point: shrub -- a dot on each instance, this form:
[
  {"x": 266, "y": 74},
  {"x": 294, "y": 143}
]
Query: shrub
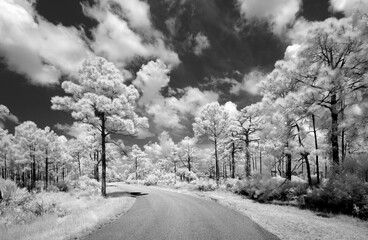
[
  {"x": 206, "y": 185},
  {"x": 8, "y": 189},
  {"x": 62, "y": 186},
  {"x": 267, "y": 190},
  {"x": 151, "y": 180},
  {"x": 345, "y": 194}
]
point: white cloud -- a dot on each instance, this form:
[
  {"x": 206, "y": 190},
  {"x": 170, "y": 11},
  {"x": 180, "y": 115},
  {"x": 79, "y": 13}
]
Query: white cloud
[
  {"x": 40, "y": 50},
  {"x": 249, "y": 84},
  {"x": 192, "y": 100},
  {"x": 279, "y": 13},
  {"x": 144, "y": 133},
  {"x": 167, "y": 112},
  {"x": 137, "y": 12},
  {"x": 349, "y": 7},
  {"x": 201, "y": 43},
  {"x": 76, "y": 130},
  {"x": 6, "y": 115},
  {"x": 151, "y": 78},
  {"x": 231, "y": 109},
  {"x": 116, "y": 38}
]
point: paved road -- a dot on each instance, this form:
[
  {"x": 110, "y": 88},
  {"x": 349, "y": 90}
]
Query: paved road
[{"x": 158, "y": 215}]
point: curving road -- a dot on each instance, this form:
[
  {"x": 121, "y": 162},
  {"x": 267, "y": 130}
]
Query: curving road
[{"x": 158, "y": 215}]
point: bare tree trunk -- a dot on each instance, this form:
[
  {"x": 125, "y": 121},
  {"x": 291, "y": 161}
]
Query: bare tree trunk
[
  {"x": 316, "y": 146},
  {"x": 233, "y": 160},
  {"x": 103, "y": 155},
  {"x": 334, "y": 134},
  {"x": 305, "y": 156},
  {"x": 33, "y": 175},
  {"x": 46, "y": 170},
  {"x": 136, "y": 168},
  {"x": 79, "y": 165},
  {"x": 247, "y": 157},
  {"x": 217, "y": 170},
  {"x": 5, "y": 175},
  {"x": 188, "y": 160}
]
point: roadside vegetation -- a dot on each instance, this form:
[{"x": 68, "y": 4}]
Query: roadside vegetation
[{"x": 68, "y": 209}]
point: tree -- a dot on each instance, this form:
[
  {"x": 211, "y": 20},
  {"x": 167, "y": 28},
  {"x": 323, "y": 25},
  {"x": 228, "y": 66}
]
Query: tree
[
  {"x": 6, "y": 151},
  {"x": 100, "y": 98},
  {"x": 186, "y": 149},
  {"x": 27, "y": 138},
  {"x": 213, "y": 123},
  {"x": 244, "y": 127},
  {"x": 333, "y": 62}
]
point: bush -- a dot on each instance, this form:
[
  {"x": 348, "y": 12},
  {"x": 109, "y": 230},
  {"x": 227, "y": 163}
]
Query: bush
[
  {"x": 62, "y": 186},
  {"x": 8, "y": 189},
  {"x": 18, "y": 205},
  {"x": 151, "y": 180},
  {"x": 345, "y": 194},
  {"x": 273, "y": 189},
  {"x": 206, "y": 185}
]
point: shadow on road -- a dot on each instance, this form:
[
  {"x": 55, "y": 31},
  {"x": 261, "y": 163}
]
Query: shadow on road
[{"x": 125, "y": 194}]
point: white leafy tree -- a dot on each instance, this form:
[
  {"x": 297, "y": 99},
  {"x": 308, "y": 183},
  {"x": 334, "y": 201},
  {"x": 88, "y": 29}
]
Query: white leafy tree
[
  {"x": 186, "y": 151},
  {"x": 213, "y": 123},
  {"x": 100, "y": 98}
]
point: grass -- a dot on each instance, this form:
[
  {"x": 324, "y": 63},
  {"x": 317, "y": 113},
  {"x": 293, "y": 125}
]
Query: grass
[
  {"x": 79, "y": 214},
  {"x": 288, "y": 222}
]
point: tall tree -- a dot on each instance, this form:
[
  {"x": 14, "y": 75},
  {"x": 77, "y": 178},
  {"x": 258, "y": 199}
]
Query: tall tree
[
  {"x": 333, "y": 62},
  {"x": 186, "y": 151},
  {"x": 213, "y": 123},
  {"x": 100, "y": 98}
]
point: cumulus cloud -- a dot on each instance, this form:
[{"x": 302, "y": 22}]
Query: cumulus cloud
[
  {"x": 116, "y": 37},
  {"x": 279, "y": 13},
  {"x": 168, "y": 112},
  {"x": 76, "y": 130},
  {"x": 43, "y": 51},
  {"x": 201, "y": 43},
  {"x": 231, "y": 109},
  {"x": 151, "y": 78},
  {"x": 192, "y": 100},
  {"x": 6, "y": 115},
  {"x": 38, "y": 49},
  {"x": 249, "y": 83},
  {"x": 349, "y": 7},
  {"x": 144, "y": 133}
]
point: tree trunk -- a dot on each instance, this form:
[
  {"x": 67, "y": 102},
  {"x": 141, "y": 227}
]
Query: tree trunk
[
  {"x": 316, "y": 146},
  {"x": 233, "y": 161},
  {"x": 46, "y": 170},
  {"x": 247, "y": 157},
  {"x": 136, "y": 168},
  {"x": 33, "y": 175},
  {"x": 305, "y": 156},
  {"x": 5, "y": 174},
  {"x": 175, "y": 172},
  {"x": 189, "y": 166},
  {"x": 334, "y": 134},
  {"x": 103, "y": 155},
  {"x": 217, "y": 170},
  {"x": 79, "y": 165},
  {"x": 260, "y": 161}
]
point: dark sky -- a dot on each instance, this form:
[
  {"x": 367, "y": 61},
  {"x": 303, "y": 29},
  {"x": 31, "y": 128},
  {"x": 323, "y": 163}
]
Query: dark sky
[{"x": 236, "y": 48}]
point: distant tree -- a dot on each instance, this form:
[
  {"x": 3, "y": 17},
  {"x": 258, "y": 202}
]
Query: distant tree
[
  {"x": 100, "y": 98},
  {"x": 186, "y": 151},
  {"x": 213, "y": 123},
  {"x": 27, "y": 137}
]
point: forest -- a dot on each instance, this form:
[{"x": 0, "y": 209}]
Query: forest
[{"x": 307, "y": 139}]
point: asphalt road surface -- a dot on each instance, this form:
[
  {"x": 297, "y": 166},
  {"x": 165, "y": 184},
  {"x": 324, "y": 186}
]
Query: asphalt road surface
[{"x": 158, "y": 215}]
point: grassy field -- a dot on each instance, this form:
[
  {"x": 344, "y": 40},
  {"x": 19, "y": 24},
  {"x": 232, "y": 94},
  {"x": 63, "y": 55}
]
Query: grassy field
[{"x": 78, "y": 215}]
